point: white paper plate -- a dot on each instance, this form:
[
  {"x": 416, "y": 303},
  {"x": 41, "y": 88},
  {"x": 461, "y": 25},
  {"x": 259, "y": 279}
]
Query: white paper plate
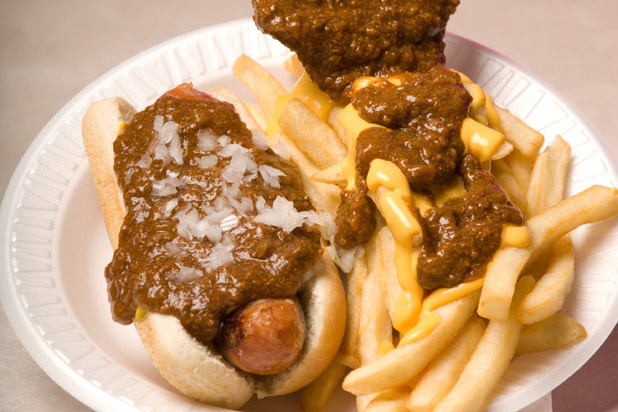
[{"x": 53, "y": 245}]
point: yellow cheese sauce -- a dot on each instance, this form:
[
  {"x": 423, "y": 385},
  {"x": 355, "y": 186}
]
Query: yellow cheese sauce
[{"x": 482, "y": 136}]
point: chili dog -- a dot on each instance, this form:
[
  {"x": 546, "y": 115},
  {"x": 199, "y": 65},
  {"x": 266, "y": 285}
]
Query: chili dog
[{"x": 217, "y": 260}]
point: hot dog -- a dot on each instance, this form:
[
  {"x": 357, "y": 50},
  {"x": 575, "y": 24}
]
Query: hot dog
[{"x": 216, "y": 261}]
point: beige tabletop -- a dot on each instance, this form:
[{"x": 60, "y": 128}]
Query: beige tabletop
[{"x": 50, "y": 50}]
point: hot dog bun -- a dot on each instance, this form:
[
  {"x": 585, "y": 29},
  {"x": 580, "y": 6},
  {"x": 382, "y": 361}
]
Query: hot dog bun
[{"x": 198, "y": 370}]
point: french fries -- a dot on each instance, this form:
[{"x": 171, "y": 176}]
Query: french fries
[
  {"x": 442, "y": 374},
  {"x": 548, "y": 177},
  {"x": 403, "y": 363},
  {"x": 525, "y": 139},
  {"x": 489, "y": 361},
  {"x": 456, "y": 366},
  {"x": 311, "y": 134},
  {"x": 549, "y": 294},
  {"x": 592, "y": 205},
  {"x": 555, "y": 332},
  {"x": 374, "y": 322},
  {"x": 264, "y": 86},
  {"x": 315, "y": 396}
]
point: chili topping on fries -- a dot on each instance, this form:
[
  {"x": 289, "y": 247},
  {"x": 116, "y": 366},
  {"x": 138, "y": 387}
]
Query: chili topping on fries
[{"x": 443, "y": 206}]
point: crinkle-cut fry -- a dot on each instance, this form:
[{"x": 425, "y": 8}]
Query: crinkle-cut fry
[
  {"x": 392, "y": 287},
  {"x": 521, "y": 167},
  {"x": 593, "y": 204},
  {"x": 504, "y": 175},
  {"x": 314, "y": 397},
  {"x": 553, "y": 287},
  {"x": 349, "y": 351},
  {"x": 293, "y": 65},
  {"x": 312, "y": 135},
  {"x": 262, "y": 84},
  {"x": 324, "y": 197},
  {"x": 332, "y": 174},
  {"x": 442, "y": 373},
  {"x": 229, "y": 96},
  {"x": 389, "y": 401},
  {"x": 527, "y": 140},
  {"x": 548, "y": 176},
  {"x": 489, "y": 361},
  {"x": 375, "y": 324},
  {"x": 403, "y": 363},
  {"x": 557, "y": 331}
]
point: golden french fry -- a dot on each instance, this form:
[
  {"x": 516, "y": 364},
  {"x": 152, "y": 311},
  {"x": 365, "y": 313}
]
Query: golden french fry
[
  {"x": 349, "y": 351},
  {"x": 362, "y": 402},
  {"x": 521, "y": 167},
  {"x": 333, "y": 175},
  {"x": 504, "y": 175},
  {"x": 315, "y": 396},
  {"x": 489, "y": 361},
  {"x": 313, "y": 136},
  {"x": 442, "y": 373},
  {"x": 594, "y": 204},
  {"x": 334, "y": 120},
  {"x": 325, "y": 197},
  {"x": 527, "y": 140},
  {"x": 264, "y": 86},
  {"x": 375, "y": 325},
  {"x": 548, "y": 177},
  {"x": 392, "y": 288},
  {"x": 293, "y": 65},
  {"x": 505, "y": 149},
  {"x": 551, "y": 290},
  {"x": 389, "y": 401},
  {"x": 258, "y": 115},
  {"x": 403, "y": 363},
  {"x": 555, "y": 332}
]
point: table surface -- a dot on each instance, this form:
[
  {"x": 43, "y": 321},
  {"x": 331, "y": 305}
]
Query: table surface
[{"x": 51, "y": 50}]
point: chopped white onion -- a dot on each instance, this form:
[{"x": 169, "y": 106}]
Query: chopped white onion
[
  {"x": 186, "y": 274},
  {"x": 271, "y": 175},
  {"x": 230, "y": 149},
  {"x": 167, "y": 186},
  {"x": 282, "y": 214},
  {"x": 217, "y": 217},
  {"x": 259, "y": 139},
  {"x": 237, "y": 167},
  {"x": 206, "y": 140},
  {"x": 214, "y": 233},
  {"x": 167, "y": 132},
  {"x": 158, "y": 122},
  {"x": 229, "y": 222},
  {"x": 208, "y": 161},
  {"x": 187, "y": 217},
  {"x": 223, "y": 140},
  {"x": 220, "y": 254},
  {"x": 173, "y": 248},
  {"x": 161, "y": 152},
  {"x": 170, "y": 206},
  {"x": 282, "y": 151},
  {"x": 176, "y": 151},
  {"x": 260, "y": 203},
  {"x": 246, "y": 204}
]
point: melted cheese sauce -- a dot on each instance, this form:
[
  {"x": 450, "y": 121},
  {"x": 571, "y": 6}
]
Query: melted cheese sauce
[{"x": 482, "y": 135}]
